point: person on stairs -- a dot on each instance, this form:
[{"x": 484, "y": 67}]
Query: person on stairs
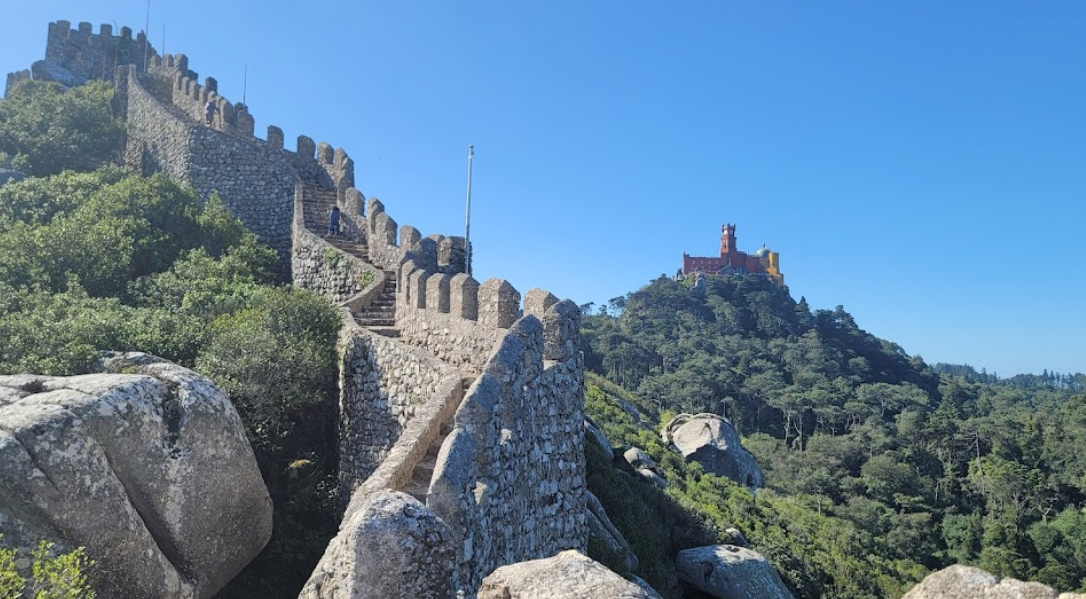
[
  {"x": 209, "y": 112},
  {"x": 333, "y": 221}
]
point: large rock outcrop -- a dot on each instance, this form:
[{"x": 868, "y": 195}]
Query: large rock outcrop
[
  {"x": 711, "y": 441},
  {"x": 730, "y": 572},
  {"x": 145, "y": 464},
  {"x": 47, "y": 70},
  {"x": 568, "y": 575},
  {"x": 604, "y": 531},
  {"x": 965, "y": 582},
  {"x": 391, "y": 546}
]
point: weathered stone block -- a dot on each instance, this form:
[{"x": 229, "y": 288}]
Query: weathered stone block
[
  {"x": 568, "y": 575},
  {"x": 325, "y": 153},
  {"x": 384, "y": 229},
  {"x": 464, "y": 297},
  {"x": 307, "y": 148},
  {"x": 275, "y": 137},
  {"x": 410, "y": 238},
  {"x": 159, "y": 483},
  {"x": 730, "y": 571},
  {"x": 417, "y": 284},
  {"x": 499, "y": 304},
  {"x": 561, "y": 331},
  {"x": 392, "y": 547},
  {"x": 426, "y": 254},
  {"x": 537, "y": 301},
  {"x": 437, "y": 292}
]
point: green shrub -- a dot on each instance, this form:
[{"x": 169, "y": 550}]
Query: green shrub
[
  {"x": 60, "y": 576},
  {"x": 45, "y": 129}
]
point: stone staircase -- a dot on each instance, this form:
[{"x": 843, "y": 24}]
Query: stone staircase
[
  {"x": 317, "y": 202},
  {"x": 380, "y": 316},
  {"x": 419, "y": 485}
]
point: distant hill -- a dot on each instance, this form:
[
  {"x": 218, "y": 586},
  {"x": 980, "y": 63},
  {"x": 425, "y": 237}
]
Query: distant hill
[
  {"x": 915, "y": 467},
  {"x": 1076, "y": 381}
]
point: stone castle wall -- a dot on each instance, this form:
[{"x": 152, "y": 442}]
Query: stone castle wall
[
  {"x": 158, "y": 140},
  {"x": 510, "y": 476},
  {"x": 436, "y": 253},
  {"x": 164, "y": 106},
  {"x": 383, "y": 384},
  {"x": 253, "y": 179},
  {"x": 455, "y": 317},
  {"x": 95, "y": 56}
]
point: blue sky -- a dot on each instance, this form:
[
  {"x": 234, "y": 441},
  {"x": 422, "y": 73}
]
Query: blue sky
[{"x": 919, "y": 162}]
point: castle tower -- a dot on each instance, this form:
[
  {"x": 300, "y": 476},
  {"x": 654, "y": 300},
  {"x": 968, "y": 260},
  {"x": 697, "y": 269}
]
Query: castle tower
[{"x": 727, "y": 240}]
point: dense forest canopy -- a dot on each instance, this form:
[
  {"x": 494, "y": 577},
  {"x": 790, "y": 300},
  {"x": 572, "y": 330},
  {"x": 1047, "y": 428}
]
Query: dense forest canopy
[{"x": 944, "y": 465}]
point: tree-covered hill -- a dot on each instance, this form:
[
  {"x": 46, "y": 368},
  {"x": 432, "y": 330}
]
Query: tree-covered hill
[
  {"x": 916, "y": 468},
  {"x": 743, "y": 347},
  {"x": 94, "y": 259}
]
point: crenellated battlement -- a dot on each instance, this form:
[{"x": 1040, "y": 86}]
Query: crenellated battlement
[
  {"x": 89, "y": 55},
  {"x": 459, "y": 319},
  {"x": 390, "y": 248},
  {"x": 510, "y": 477},
  {"x": 179, "y": 86},
  {"x": 509, "y": 480}
]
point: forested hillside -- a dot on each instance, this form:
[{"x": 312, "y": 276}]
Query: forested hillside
[
  {"x": 102, "y": 260},
  {"x": 892, "y": 466}
]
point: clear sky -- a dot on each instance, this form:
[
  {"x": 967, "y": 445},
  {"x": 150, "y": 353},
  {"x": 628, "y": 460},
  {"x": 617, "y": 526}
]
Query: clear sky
[{"x": 922, "y": 163}]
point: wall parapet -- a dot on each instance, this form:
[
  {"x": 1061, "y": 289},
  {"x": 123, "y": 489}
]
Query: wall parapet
[
  {"x": 89, "y": 55},
  {"x": 393, "y": 399},
  {"x": 257, "y": 185},
  {"x": 461, "y": 320},
  {"x": 509, "y": 479},
  {"x": 389, "y": 247},
  {"x": 179, "y": 86},
  {"x": 368, "y": 363}
]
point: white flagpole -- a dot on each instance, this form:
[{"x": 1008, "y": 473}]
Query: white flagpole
[
  {"x": 147, "y": 38},
  {"x": 467, "y": 214}
]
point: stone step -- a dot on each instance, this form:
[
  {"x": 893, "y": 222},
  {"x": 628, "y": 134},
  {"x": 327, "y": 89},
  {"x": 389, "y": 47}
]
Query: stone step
[
  {"x": 376, "y": 319},
  {"x": 375, "y": 322},
  {"x": 375, "y": 315},
  {"x": 418, "y": 491},
  {"x": 424, "y": 470},
  {"x": 345, "y": 244}
]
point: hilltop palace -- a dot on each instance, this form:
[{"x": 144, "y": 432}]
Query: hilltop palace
[{"x": 733, "y": 262}]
